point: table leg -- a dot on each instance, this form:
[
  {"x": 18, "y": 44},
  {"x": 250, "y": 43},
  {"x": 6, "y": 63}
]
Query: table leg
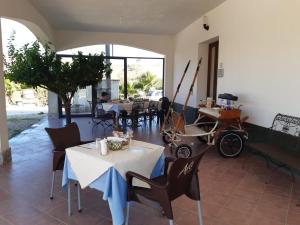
[
  {"x": 127, "y": 213},
  {"x": 78, "y": 197},
  {"x": 69, "y": 198},
  {"x": 52, "y": 185}
]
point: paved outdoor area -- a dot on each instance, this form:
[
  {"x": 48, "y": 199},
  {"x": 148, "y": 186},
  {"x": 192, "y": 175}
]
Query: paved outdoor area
[
  {"x": 234, "y": 191},
  {"x": 13, "y": 110}
]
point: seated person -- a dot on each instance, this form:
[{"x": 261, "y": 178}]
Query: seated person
[{"x": 104, "y": 97}]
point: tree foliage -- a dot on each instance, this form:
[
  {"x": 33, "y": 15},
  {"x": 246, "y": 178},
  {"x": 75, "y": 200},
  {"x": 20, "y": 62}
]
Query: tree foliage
[
  {"x": 130, "y": 89},
  {"x": 146, "y": 81},
  {"x": 10, "y": 88},
  {"x": 36, "y": 67}
]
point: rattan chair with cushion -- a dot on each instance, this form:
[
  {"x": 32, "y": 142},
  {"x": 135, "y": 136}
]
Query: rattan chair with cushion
[
  {"x": 180, "y": 177},
  {"x": 62, "y": 138}
]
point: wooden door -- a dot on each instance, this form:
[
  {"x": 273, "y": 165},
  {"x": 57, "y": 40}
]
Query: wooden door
[{"x": 213, "y": 55}]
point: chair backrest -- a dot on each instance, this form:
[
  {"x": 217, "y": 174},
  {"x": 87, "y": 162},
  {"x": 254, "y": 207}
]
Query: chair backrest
[
  {"x": 165, "y": 104},
  {"x": 99, "y": 111},
  {"x": 183, "y": 177},
  {"x": 138, "y": 100},
  {"x": 153, "y": 105},
  {"x": 137, "y": 106},
  {"x": 287, "y": 124},
  {"x": 64, "y": 137}
]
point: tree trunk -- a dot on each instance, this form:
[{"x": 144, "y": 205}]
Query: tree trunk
[{"x": 67, "y": 104}]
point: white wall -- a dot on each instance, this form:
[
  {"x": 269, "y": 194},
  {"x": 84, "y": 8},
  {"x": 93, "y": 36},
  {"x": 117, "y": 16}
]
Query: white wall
[
  {"x": 162, "y": 44},
  {"x": 259, "y": 48}
]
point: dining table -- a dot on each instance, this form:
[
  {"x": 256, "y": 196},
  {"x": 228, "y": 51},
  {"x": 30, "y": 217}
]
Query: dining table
[
  {"x": 117, "y": 107},
  {"x": 107, "y": 173}
]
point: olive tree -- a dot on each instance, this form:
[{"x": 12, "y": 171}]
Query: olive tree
[{"x": 37, "y": 66}]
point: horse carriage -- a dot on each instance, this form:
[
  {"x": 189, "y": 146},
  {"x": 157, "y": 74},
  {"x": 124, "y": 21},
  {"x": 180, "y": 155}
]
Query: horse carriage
[{"x": 221, "y": 125}]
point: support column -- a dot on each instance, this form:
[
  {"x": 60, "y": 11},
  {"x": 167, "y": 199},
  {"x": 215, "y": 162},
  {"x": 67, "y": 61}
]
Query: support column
[
  {"x": 108, "y": 79},
  {"x": 52, "y": 105},
  {"x": 5, "y": 153}
]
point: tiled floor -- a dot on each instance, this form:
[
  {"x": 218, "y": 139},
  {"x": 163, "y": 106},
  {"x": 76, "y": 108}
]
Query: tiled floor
[{"x": 234, "y": 191}]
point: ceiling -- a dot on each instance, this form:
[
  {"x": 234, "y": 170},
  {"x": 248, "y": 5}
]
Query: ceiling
[{"x": 130, "y": 16}]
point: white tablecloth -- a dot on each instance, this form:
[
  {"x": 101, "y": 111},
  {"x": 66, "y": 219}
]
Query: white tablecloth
[
  {"x": 117, "y": 107},
  {"x": 88, "y": 164}
]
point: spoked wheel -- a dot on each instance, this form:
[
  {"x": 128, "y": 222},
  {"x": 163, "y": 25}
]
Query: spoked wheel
[
  {"x": 230, "y": 144},
  {"x": 166, "y": 137},
  {"x": 183, "y": 151}
]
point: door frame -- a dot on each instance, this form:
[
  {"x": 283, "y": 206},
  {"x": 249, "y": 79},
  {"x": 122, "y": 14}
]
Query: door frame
[{"x": 210, "y": 48}]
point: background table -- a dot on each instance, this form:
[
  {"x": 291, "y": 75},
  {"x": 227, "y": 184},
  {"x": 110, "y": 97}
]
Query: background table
[
  {"x": 117, "y": 107},
  {"x": 112, "y": 182}
]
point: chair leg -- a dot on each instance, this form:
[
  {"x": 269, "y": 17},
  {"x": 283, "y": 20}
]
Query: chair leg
[
  {"x": 78, "y": 198},
  {"x": 52, "y": 185},
  {"x": 171, "y": 222},
  {"x": 69, "y": 199},
  {"x": 127, "y": 213},
  {"x": 199, "y": 213}
]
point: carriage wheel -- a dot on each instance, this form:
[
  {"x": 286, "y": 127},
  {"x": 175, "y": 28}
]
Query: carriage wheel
[
  {"x": 166, "y": 137},
  {"x": 183, "y": 151},
  {"x": 230, "y": 144}
]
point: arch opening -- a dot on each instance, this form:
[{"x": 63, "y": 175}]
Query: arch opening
[
  {"x": 116, "y": 50},
  {"x": 24, "y": 105}
]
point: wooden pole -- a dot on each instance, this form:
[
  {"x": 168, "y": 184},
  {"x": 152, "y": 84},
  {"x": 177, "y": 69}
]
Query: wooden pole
[
  {"x": 175, "y": 95},
  {"x": 189, "y": 95}
]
